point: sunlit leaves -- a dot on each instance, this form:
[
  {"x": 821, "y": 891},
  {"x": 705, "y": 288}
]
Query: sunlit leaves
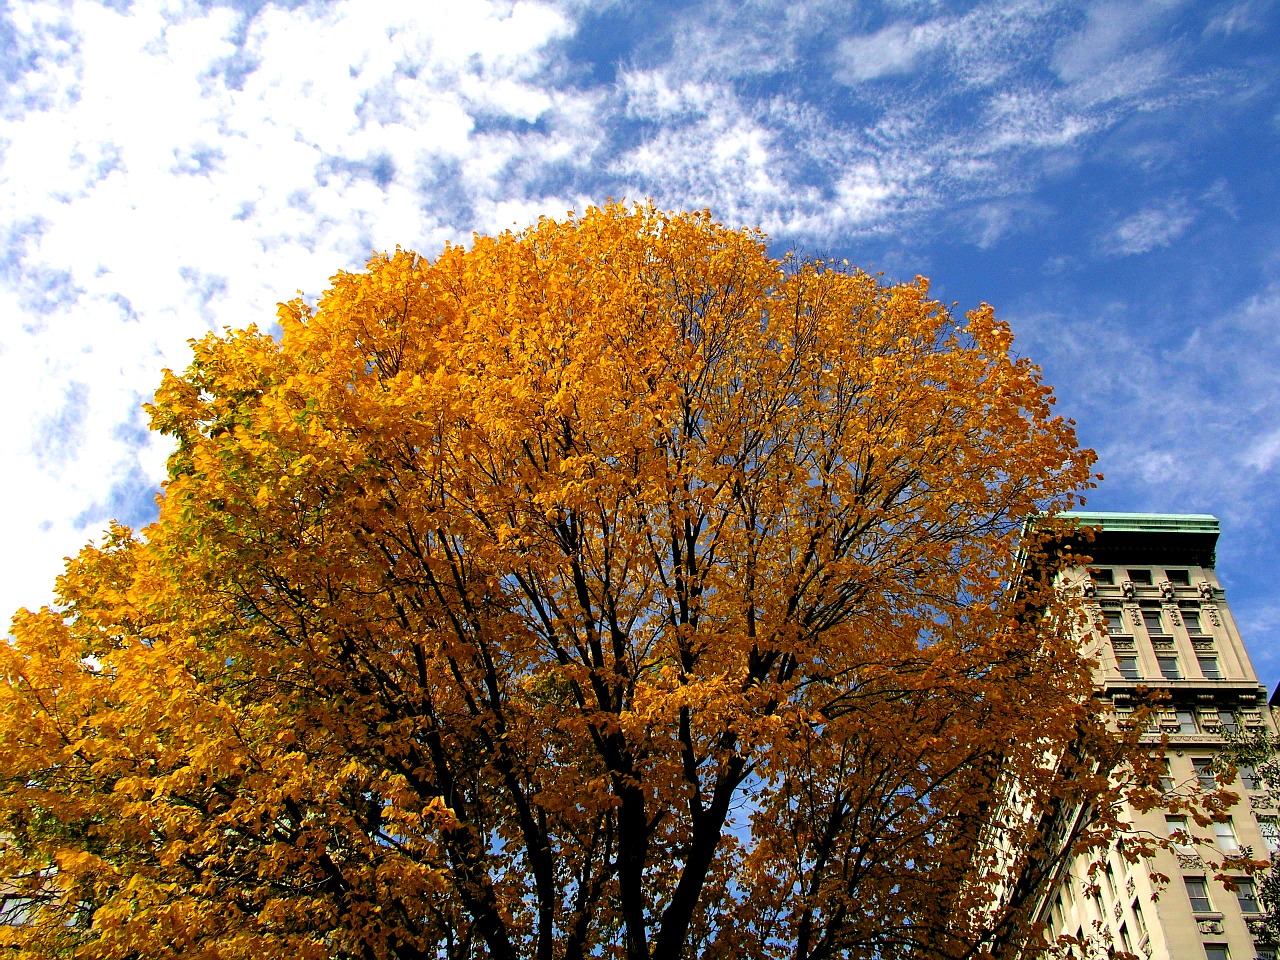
[{"x": 605, "y": 589}]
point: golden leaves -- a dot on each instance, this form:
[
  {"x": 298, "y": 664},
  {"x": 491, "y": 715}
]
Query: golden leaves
[{"x": 556, "y": 597}]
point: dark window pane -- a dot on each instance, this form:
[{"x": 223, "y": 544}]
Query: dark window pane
[
  {"x": 1198, "y": 894},
  {"x": 1204, "y": 774}
]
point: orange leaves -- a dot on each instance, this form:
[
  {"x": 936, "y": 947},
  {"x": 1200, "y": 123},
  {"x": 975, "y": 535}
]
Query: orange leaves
[{"x": 608, "y": 587}]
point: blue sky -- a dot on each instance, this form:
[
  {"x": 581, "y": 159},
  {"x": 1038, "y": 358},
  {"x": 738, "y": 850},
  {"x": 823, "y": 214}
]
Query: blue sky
[{"x": 1104, "y": 173}]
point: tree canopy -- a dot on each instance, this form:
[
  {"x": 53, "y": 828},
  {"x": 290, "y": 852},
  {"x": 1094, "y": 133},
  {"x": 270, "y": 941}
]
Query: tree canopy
[{"x": 609, "y": 588}]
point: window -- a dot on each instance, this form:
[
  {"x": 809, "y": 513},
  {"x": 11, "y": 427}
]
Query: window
[
  {"x": 1139, "y": 918},
  {"x": 1103, "y": 575},
  {"x": 1186, "y": 721},
  {"x": 1181, "y": 578},
  {"x": 1246, "y": 896},
  {"x": 1115, "y": 621},
  {"x": 1228, "y": 721},
  {"x": 1191, "y": 620},
  {"x": 1209, "y": 668},
  {"x": 1152, "y": 620},
  {"x": 1204, "y": 773},
  {"x": 1266, "y": 953},
  {"x": 1198, "y": 894},
  {"x": 1216, "y": 951},
  {"x": 1125, "y": 943},
  {"x": 1226, "y": 835},
  {"x": 1270, "y": 830},
  {"x": 1178, "y": 825},
  {"x": 1140, "y": 576},
  {"x": 1249, "y": 778},
  {"x": 1110, "y": 876},
  {"x": 1169, "y": 668},
  {"x": 15, "y": 911},
  {"x": 1166, "y": 778},
  {"x": 1128, "y": 665}
]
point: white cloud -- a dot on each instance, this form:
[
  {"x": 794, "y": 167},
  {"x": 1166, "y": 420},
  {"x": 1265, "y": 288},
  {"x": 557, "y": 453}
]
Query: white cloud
[
  {"x": 1111, "y": 31},
  {"x": 1234, "y": 18},
  {"x": 1180, "y": 407},
  {"x": 164, "y": 202},
  {"x": 1263, "y": 452},
  {"x": 895, "y": 49},
  {"x": 1146, "y": 230}
]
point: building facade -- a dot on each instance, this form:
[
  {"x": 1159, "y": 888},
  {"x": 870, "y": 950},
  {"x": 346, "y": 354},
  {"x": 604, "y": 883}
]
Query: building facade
[{"x": 1169, "y": 628}]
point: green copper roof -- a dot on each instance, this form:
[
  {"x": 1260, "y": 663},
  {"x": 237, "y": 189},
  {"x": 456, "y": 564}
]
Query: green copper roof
[
  {"x": 1147, "y": 522},
  {"x": 1161, "y": 539}
]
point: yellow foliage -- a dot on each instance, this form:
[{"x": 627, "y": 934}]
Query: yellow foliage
[{"x": 604, "y": 589}]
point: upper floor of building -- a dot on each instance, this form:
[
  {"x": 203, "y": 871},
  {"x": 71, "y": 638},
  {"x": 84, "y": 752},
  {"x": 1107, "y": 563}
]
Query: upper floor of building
[{"x": 1162, "y": 622}]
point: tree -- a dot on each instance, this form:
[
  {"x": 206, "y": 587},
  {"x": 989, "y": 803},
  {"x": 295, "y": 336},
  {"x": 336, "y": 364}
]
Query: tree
[
  {"x": 606, "y": 589},
  {"x": 1255, "y": 755}
]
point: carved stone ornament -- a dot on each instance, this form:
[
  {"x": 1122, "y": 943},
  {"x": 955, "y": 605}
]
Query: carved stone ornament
[
  {"x": 1175, "y": 617},
  {"x": 1206, "y": 589},
  {"x": 1212, "y": 611},
  {"x": 1162, "y": 643},
  {"x": 1127, "y": 588},
  {"x": 1122, "y": 643},
  {"x": 1262, "y": 801},
  {"x": 1166, "y": 589},
  {"x": 1135, "y": 615},
  {"x": 1202, "y": 644},
  {"x": 1090, "y": 588},
  {"x": 1118, "y": 910},
  {"x": 1210, "y": 926},
  {"x": 1189, "y": 860}
]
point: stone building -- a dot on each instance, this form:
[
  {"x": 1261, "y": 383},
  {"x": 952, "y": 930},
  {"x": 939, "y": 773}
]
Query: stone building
[{"x": 1170, "y": 628}]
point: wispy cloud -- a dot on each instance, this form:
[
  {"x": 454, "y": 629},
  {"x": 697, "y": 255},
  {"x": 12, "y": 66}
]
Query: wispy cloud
[
  {"x": 1183, "y": 414},
  {"x": 896, "y": 48},
  {"x": 1234, "y": 18},
  {"x": 1148, "y": 229}
]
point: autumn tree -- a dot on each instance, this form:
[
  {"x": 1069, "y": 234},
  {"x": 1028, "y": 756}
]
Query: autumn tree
[
  {"x": 605, "y": 589},
  {"x": 1254, "y": 756}
]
